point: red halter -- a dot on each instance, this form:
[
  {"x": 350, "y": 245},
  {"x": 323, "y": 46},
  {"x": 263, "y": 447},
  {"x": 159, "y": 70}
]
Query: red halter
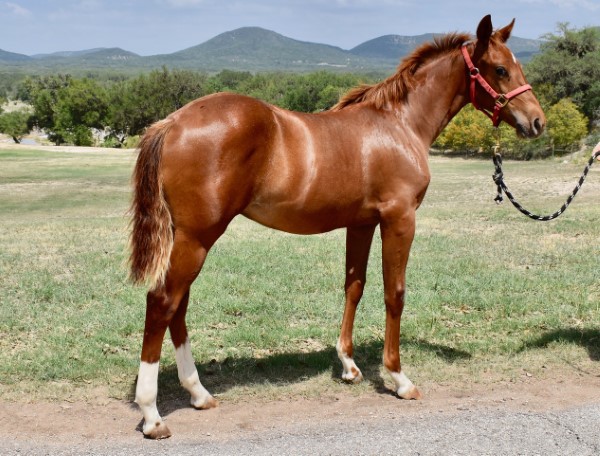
[{"x": 500, "y": 100}]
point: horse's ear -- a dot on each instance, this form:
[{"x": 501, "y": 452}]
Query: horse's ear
[
  {"x": 504, "y": 32},
  {"x": 484, "y": 33}
]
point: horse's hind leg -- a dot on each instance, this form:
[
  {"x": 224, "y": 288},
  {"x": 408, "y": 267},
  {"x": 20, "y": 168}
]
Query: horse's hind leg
[
  {"x": 358, "y": 244},
  {"x": 162, "y": 305},
  {"x": 186, "y": 367}
]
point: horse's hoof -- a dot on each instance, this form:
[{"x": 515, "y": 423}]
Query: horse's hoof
[
  {"x": 208, "y": 403},
  {"x": 158, "y": 432},
  {"x": 413, "y": 394},
  {"x": 354, "y": 375}
]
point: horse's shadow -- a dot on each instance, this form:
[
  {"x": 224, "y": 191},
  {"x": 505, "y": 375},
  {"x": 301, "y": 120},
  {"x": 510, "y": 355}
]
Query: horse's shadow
[
  {"x": 586, "y": 338},
  {"x": 285, "y": 369}
]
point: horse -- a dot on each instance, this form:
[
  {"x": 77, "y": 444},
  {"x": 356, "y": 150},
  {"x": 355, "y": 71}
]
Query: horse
[{"x": 359, "y": 165}]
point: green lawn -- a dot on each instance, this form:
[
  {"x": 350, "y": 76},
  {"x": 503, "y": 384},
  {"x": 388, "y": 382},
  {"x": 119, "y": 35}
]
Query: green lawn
[{"x": 491, "y": 294}]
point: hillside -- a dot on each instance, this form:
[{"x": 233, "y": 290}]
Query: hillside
[
  {"x": 247, "y": 49},
  {"x": 67, "y": 53},
  {"x": 390, "y": 46},
  {"x": 254, "y": 48},
  {"x": 8, "y": 57}
]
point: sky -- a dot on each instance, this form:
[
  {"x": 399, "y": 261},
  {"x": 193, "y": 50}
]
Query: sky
[{"x": 149, "y": 27}]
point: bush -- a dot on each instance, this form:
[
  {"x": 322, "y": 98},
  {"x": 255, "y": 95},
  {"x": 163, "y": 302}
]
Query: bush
[
  {"x": 132, "y": 142},
  {"x": 111, "y": 141},
  {"x": 469, "y": 131},
  {"x": 472, "y": 132},
  {"x": 566, "y": 124}
]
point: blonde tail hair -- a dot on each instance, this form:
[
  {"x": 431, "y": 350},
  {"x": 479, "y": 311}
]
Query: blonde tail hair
[{"x": 151, "y": 239}]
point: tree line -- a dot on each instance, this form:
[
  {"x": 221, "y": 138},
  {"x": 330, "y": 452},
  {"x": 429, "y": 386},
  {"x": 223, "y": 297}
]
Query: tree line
[
  {"x": 565, "y": 77},
  {"x": 69, "y": 109}
]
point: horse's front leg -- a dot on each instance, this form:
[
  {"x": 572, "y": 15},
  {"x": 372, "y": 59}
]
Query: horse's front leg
[
  {"x": 397, "y": 233},
  {"x": 358, "y": 244}
]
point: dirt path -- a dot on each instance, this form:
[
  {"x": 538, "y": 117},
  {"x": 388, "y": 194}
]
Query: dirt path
[{"x": 78, "y": 424}]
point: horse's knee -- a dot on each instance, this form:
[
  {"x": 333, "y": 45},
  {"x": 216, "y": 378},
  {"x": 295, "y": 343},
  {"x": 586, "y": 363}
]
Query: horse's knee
[
  {"x": 354, "y": 291},
  {"x": 394, "y": 302}
]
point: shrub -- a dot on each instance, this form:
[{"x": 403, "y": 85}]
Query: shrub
[{"x": 566, "y": 124}]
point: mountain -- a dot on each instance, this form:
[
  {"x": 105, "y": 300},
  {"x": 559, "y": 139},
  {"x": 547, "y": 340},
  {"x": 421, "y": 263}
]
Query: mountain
[
  {"x": 256, "y": 48},
  {"x": 6, "y": 56},
  {"x": 91, "y": 59},
  {"x": 66, "y": 53},
  {"x": 523, "y": 48},
  {"x": 246, "y": 49},
  {"x": 108, "y": 55},
  {"x": 398, "y": 46},
  {"x": 390, "y": 46}
]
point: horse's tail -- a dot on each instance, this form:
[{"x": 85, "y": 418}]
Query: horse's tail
[{"x": 151, "y": 238}]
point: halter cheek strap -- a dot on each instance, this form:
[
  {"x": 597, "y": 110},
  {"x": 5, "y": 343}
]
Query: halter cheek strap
[{"x": 500, "y": 100}]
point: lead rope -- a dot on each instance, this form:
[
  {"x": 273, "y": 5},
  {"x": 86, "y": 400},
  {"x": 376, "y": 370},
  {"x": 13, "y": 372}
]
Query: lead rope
[{"x": 501, "y": 187}]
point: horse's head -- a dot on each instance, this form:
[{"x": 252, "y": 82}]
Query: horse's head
[{"x": 497, "y": 82}]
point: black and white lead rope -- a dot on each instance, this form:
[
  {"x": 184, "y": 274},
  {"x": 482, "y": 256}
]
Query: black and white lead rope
[{"x": 501, "y": 187}]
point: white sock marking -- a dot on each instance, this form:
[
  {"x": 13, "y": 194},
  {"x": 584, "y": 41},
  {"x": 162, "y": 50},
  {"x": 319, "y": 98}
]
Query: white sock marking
[
  {"x": 351, "y": 371},
  {"x": 188, "y": 375},
  {"x": 402, "y": 382},
  {"x": 145, "y": 395}
]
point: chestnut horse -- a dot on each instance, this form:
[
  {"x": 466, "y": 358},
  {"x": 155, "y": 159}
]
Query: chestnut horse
[{"x": 361, "y": 164}]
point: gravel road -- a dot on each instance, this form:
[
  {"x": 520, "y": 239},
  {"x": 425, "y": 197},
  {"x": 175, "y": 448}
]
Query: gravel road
[
  {"x": 574, "y": 431},
  {"x": 523, "y": 419}
]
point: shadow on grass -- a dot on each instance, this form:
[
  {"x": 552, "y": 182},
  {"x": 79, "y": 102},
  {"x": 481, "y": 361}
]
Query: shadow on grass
[
  {"x": 286, "y": 369},
  {"x": 586, "y": 338}
]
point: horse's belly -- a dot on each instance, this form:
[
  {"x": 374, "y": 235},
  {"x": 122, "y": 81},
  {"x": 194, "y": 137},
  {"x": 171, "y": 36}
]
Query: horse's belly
[{"x": 309, "y": 220}]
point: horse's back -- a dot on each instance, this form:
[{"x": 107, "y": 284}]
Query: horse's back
[{"x": 218, "y": 120}]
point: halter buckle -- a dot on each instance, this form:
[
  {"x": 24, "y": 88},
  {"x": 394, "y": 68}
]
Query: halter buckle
[{"x": 502, "y": 101}]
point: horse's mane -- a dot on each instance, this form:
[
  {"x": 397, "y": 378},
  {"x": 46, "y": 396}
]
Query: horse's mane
[{"x": 396, "y": 87}]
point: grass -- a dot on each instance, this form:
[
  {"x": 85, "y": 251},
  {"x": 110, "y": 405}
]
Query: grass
[{"x": 490, "y": 293}]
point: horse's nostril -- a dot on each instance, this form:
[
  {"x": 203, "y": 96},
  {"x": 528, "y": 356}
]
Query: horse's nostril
[{"x": 537, "y": 125}]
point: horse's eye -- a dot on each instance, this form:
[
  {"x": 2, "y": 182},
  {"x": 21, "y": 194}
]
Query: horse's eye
[{"x": 501, "y": 71}]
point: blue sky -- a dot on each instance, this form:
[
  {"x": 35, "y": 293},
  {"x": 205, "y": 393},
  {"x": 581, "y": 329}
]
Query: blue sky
[{"x": 162, "y": 26}]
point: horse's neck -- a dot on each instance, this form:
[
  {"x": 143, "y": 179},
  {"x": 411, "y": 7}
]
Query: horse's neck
[{"x": 440, "y": 93}]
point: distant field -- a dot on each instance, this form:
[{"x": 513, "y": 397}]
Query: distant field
[{"x": 491, "y": 295}]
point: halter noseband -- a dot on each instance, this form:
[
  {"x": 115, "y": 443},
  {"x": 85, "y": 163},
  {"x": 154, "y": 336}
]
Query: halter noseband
[{"x": 500, "y": 100}]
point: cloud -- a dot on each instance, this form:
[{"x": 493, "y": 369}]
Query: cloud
[
  {"x": 184, "y": 3},
  {"x": 16, "y": 9}
]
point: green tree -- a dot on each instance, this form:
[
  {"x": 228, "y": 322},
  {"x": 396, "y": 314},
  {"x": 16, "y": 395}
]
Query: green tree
[
  {"x": 16, "y": 124},
  {"x": 43, "y": 95},
  {"x": 566, "y": 124},
  {"x": 317, "y": 91},
  {"x": 229, "y": 80},
  {"x": 81, "y": 106},
  {"x": 269, "y": 87},
  {"x": 134, "y": 104},
  {"x": 570, "y": 64}
]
